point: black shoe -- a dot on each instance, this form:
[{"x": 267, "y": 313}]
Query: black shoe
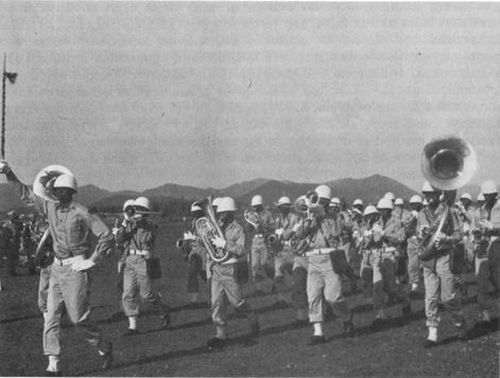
[
  {"x": 254, "y": 328},
  {"x": 107, "y": 358},
  {"x": 165, "y": 321},
  {"x": 406, "y": 310},
  {"x": 315, "y": 340},
  {"x": 348, "y": 328},
  {"x": 430, "y": 344},
  {"x": 53, "y": 373},
  {"x": 216, "y": 343},
  {"x": 131, "y": 332}
]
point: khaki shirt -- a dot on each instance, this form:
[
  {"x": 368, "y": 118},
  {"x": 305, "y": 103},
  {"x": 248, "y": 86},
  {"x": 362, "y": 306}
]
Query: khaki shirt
[
  {"x": 70, "y": 227},
  {"x": 452, "y": 227},
  {"x": 140, "y": 235}
]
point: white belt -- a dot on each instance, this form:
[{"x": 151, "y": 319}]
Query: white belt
[
  {"x": 319, "y": 251},
  {"x": 139, "y": 252},
  {"x": 382, "y": 250},
  {"x": 259, "y": 236},
  {"x": 287, "y": 243},
  {"x": 67, "y": 261}
]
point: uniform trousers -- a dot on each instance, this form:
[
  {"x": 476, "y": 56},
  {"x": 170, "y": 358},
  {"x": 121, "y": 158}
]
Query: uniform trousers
[
  {"x": 137, "y": 284},
  {"x": 299, "y": 282},
  {"x": 43, "y": 288},
  {"x": 323, "y": 281},
  {"x": 73, "y": 290},
  {"x": 226, "y": 289},
  {"x": 195, "y": 270},
  {"x": 262, "y": 260},
  {"x": 283, "y": 262},
  {"x": 487, "y": 271},
  {"x": 413, "y": 261},
  {"x": 440, "y": 284}
]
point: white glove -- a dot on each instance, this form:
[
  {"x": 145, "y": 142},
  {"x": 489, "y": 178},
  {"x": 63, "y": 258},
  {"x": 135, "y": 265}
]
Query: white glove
[
  {"x": 4, "y": 167},
  {"x": 279, "y": 231},
  {"x": 355, "y": 234},
  {"x": 296, "y": 227},
  {"x": 440, "y": 237},
  {"x": 486, "y": 224},
  {"x": 114, "y": 231},
  {"x": 219, "y": 242},
  {"x": 414, "y": 213},
  {"x": 80, "y": 265},
  {"x": 367, "y": 233},
  {"x": 189, "y": 236}
]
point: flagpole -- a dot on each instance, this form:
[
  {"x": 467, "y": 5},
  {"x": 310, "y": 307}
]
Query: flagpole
[{"x": 4, "y": 78}]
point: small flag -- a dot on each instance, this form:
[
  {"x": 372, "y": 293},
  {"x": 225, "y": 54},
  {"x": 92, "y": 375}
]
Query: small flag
[{"x": 11, "y": 76}]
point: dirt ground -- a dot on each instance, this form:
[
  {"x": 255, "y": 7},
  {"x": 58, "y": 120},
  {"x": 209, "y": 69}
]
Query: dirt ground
[{"x": 281, "y": 350}]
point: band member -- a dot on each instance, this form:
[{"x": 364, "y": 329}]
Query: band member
[
  {"x": 138, "y": 235},
  {"x": 70, "y": 227},
  {"x": 261, "y": 258},
  {"x": 380, "y": 241},
  {"x": 486, "y": 230},
  {"x": 128, "y": 212},
  {"x": 401, "y": 257},
  {"x": 284, "y": 252},
  {"x": 224, "y": 286},
  {"x": 439, "y": 281},
  {"x": 319, "y": 237},
  {"x": 358, "y": 205},
  {"x": 196, "y": 256},
  {"x": 414, "y": 269},
  {"x": 480, "y": 200}
]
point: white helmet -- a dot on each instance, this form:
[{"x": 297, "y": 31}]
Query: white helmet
[
  {"x": 480, "y": 197},
  {"x": 466, "y": 196},
  {"x": 357, "y": 201},
  {"x": 257, "y": 200},
  {"x": 324, "y": 191},
  {"x": 370, "y": 209},
  {"x": 390, "y": 196},
  {"x": 335, "y": 201},
  {"x": 66, "y": 181},
  {"x": 216, "y": 201},
  {"x": 489, "y": 187},
  {"x": 427, "y": 188},
  {"x": 195, "y": 206},
  {"x": 284, "y": 201},
  {"x": 143, "y": 202},
  {"x": 399, "y": 202},
  {"x": 128, "y": 203},
  {"x": 226, "y": 204},
  {"x": 416, "y": 199},
  {"x": 385, "y": 203}
]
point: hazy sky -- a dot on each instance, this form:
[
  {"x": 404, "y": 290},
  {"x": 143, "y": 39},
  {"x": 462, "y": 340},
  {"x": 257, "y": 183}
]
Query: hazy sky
[{"x": 135, "y": 95}]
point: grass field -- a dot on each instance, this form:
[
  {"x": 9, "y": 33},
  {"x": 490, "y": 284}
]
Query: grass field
[{"x": 281, "y": 350}]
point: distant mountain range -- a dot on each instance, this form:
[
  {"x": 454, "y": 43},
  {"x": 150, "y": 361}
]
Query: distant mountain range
[{"x": 369, "y": 189}]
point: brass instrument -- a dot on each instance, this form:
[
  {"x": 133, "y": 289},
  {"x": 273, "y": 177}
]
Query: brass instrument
[
  {"x": 44, "y": 181},
  {"x": 183, "y": 244},
  {"x": 252, "y": 218},
  {"x": 308, "y": 204},
  {"x": 208, "y": 229},
  {"x": 448, "y": 163}
]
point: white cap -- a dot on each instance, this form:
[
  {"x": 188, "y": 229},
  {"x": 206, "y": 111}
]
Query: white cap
[
  {"x": 128, "y": 203},
  {"x": 216, "y": 201},
  {"x": 324, "y": 191},
  {"x": 466, "y": 196},
  {"x": 385, "y": 203},
  {"x": 256, "y": 200},
  {"x": 370, "y": 209},
  {"x": 195, "y": 206},
  {"x": 390, "y": 196},
  {"x": 416, "y": 199},
  {"x": 284, "y": 201},
  {"x": 335, "y": 201},
  {"x": 489, "y": 187},
  {"x": 358, "y": 201},
  {"x": 399, "y": 202},
  {"x": 480, "y": 197},
  {"x": 66, "y": 181},
  {"x": 226, "y": 204},
  {"x": 143, "y": 202},
  {"x": 427, "y": 188}
]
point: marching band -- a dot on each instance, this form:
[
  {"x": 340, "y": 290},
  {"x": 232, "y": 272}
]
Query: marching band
[{"x": 315, "y": 241}]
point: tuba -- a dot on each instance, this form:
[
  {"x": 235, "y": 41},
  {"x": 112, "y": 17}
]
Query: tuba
[
  {"x": 208, "y": 228},
  {"x": 44, "y": 181},
  {"x": 448, "y": 163}
]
